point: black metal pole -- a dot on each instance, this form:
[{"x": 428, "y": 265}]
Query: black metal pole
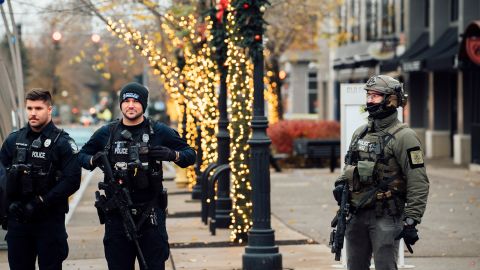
[
  {"x": 197, "y": 188},
  {"x": 55, "y": 79},
  {"x": 261, "y": 252},
  {"x": 223, "y": 206}
]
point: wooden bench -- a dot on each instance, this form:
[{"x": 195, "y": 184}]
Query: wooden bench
[{"x": 317, "y": 150}]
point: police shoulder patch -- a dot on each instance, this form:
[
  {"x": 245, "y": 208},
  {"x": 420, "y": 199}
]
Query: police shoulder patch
[
  {"x": 73, "y": 145},
  {"x": 415, "y": 157}
]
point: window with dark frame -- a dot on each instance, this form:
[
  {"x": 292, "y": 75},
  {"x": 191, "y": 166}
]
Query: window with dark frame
[
  {"x": 312, "y": 92},
  {"x": 402, "y": 16},
  {"x": 355, "y": 20},
  {"x": 427, "y": 13},
  {"x": 371, "y": 19},
  {"x": 454, "y": 10},
  {"x": 388, "y": 17}
]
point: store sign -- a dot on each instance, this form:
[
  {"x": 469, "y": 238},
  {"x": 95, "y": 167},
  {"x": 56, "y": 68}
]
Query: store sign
[
  {"x": 472, "y": 46},
  {"x": 412, "y": 66}
]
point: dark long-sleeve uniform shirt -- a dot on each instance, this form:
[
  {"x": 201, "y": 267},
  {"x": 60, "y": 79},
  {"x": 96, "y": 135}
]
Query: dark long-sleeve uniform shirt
[{"x": 163, "y": 136}]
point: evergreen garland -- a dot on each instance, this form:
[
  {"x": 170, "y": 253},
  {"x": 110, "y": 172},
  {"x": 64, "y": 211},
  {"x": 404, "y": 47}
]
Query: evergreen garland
[
  {"x": 250, "y": 24},
  {"x": 219, "y": 36}
]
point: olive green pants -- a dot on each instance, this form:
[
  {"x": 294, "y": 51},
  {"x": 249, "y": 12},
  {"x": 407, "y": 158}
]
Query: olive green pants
[{"x": 367, "y": 234}]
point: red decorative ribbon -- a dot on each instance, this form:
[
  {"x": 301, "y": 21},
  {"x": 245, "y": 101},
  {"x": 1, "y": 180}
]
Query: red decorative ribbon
[{"x": 222, "y": 5}]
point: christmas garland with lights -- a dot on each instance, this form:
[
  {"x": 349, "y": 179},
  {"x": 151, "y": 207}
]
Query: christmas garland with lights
[{"x": 250, "y": 24}]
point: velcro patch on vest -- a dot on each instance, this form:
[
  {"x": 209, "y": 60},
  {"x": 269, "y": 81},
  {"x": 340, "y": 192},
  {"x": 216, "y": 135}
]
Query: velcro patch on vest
[
  {"x": 363, "y": 145},
  {"x": 415, "y": 157}
]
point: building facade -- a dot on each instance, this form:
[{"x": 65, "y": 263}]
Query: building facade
[{"x": 305, "y": 90}]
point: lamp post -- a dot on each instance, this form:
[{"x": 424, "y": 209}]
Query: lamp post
[
  {"x": 223, "y": 206},
  {"x": 56, "y": 37},
  {"x": 261, "y": 252}
]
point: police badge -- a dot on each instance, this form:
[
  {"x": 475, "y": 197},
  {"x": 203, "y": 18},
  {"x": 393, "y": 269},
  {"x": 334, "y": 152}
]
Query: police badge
[
  {"x": 145, "y": 138},
  {"x": 74, "y": 146},
  {"x": 47, "y": 142}
]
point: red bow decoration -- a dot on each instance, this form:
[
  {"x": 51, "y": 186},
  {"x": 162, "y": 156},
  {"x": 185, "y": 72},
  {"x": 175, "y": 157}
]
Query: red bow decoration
[{"x": 221, "y": 7}]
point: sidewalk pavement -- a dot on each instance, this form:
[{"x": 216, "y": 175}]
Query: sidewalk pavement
[{"x": 192, "y": 245}]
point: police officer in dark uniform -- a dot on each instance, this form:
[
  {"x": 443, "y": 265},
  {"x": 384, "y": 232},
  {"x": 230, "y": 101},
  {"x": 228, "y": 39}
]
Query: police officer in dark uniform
[
  {"x": 43, "y": 171},
  {"x": 136, "y": 147}
]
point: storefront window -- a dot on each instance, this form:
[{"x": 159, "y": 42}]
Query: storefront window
[
  {"x": 388, "y": 17},
  {"x": 355, "y": 20},
  {"x": 371, "y": 19}
]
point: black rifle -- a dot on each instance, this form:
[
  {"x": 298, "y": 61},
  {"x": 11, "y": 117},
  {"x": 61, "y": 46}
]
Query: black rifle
[
  {"x": 120, "y": 201},
  {"x": 339, "y": 224}
]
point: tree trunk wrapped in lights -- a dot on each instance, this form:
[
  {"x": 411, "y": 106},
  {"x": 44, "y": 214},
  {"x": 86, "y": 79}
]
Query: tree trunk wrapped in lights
[
  {"x": 192, "y": 85},
  {"x": 239, "y": 81}
]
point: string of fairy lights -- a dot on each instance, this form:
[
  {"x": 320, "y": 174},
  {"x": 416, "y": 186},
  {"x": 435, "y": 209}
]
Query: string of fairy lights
[
  {"x": 271, "y": 97},
  {"x": 240, "y": 86},
  {"x": 192, "y": 87},
  {"x": 192, "y": 82},
  {"x": 209, "y": 110}
]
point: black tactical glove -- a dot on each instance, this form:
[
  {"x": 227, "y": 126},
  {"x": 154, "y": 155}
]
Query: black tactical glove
[
  {"x": 96, "y": 159},
  {"x": 337, "y": 192},
  {"x": 31, "y": 207},
  {"x": 16, "y": 210},
  {"x": 409, "y": 235},
  {"x": 162, "y": 153}
]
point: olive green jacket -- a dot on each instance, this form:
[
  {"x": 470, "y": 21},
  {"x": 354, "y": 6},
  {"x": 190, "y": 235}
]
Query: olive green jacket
[{"x": 406, "y": 150}]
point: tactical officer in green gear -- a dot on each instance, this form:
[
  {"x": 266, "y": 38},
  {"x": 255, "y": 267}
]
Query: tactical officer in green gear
[{"x": 386, "y": 176}]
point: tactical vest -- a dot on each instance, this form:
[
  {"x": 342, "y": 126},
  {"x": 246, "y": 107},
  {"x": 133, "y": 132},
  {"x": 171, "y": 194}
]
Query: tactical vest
[
  {"x": 129, "y": 158},
  {"x": 371, "y": 170},
  {"x": 33, "y": 164}
]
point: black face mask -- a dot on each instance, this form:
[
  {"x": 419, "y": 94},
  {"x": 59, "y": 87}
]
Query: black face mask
[
  {"x": 373, "y": 107},
  {"x": 378, "y": 111}
]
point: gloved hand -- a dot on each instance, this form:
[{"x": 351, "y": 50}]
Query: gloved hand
[
  {"x": 337, "y": 192},
  {"x": 95, "y": 161},
  {"x": 409, "y": 235},
  {"x": 16, "y": 210},
  {"x": 162, "y": 153},
  {"x": 32, "y": 207}
]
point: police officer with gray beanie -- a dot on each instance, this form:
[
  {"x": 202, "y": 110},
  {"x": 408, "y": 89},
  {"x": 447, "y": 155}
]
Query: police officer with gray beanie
[
  {"x": 135, "y": 147},
  {"x": 388, "y": 184}
]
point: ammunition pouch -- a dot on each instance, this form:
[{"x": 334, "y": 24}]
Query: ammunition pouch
[
  {"x": 27, "y": 180},
  {"x": 361, "y": 175},
  {"x": 351, "y": 173},
  {"x": 366, "y": 172},
  {"x": 358, "y": 197}
]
